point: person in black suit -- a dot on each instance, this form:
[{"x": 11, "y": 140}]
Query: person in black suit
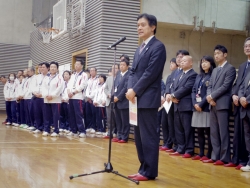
[
  {"x": 167, "y": 139},
  {"x": 219, "y": 97},
  {"x": 122, "y": 105},
  {"x": 201, "y": 114},
  {"x": 169, "y": 89},
  {"x": 240, "y": 155},
  {"x": 183, "y": 109},
  {"x": 145, "y": 83},
  {"x": 244, "y": 96}
]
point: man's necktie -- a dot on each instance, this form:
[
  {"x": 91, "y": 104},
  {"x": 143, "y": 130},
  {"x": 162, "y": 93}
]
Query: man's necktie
[
  {"x": 245, "y": 70},
  {"x": 142, "y": 47}
]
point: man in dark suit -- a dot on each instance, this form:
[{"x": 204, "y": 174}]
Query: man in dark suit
[
  {"x": 169, "y": 89},
  {"x": 239, "y": 148},
  {"x": 219, "y": 97},
  {"x": 183, "y": 108},
  {"x": 244, "y": 96},
  {"x": 121, "y": 104},
  {"x": 145, "y": 83}
]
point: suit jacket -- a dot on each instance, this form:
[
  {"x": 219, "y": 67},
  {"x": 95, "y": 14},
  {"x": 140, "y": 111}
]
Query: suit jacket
[
  {"x": 203, "y": 92},
  {"x": 239, "y": 81},
  {"x": 146, "y": 74},
  {"x": 170, "y": 81},
  {"x": 183, "y": 90},
  {"x": 122, "y": 103},
  {"x": 163, "y": 87},
  {"x": 220, "y": 88},
  {"x": 245, "y": 92}
]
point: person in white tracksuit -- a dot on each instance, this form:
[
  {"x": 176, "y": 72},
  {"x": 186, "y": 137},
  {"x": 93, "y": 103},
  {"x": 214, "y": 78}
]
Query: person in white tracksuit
[{"x": 51, "y": 92}]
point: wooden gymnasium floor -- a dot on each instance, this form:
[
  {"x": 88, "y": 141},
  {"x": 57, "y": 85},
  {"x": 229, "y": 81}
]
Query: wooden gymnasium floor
[{"x": 28, "y": 160}]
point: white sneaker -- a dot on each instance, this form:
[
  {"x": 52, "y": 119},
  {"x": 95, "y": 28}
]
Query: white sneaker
[
  {"x": 17, "y": 125},
  {"x": 45, "y": 134},
  {"x": 66, "y": 131},
  {"x": 88, "y": 130},
  {"x": 82, "y": 135},
  {"x": 114, "y": 135},
  {"x": 71, "y": 134},
  {"x": 105, "y": 134},
  {"x": 8, "y": 123},
  {"x": 60, "y": 130},
  {"x": 99, "y": 133},
  {"x": 245, "y": 168},
  {"x": 31, "y": 128},
  {"x": 25, "y": 126},
  {"x": 92, "y": 131},
  {"x": 54, "y": 134},
  {"x": 36, "y": 131}
]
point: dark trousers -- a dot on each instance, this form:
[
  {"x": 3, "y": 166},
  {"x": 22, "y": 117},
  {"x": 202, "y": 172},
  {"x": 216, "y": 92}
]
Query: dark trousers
[
  {"x": 90, "y": 115},
  {"x": 51, "y": 110},
  {"x": 64, "y": 116},
  {"x": 18, "y": 113},
  {"x": 27, "y": 107},
  {"x": 32, "y": 112},
  {"x": 219, "y": 133},
  {"x": 84, "y": 112},
  {"x": 111, "y": 118},
  {"x": 38, "y": 104},
  {"x": 184, "y": 131},
  {"x": 240, "y": 154},
  {"x": 202, "y": 131},
  {"x": 246, "y": 123},
  {"x": 11, "y": 111},
  {"x": 171, "y": 127},
  {"x": 122, "y": 122},
  {"x": 100, "y": 119},
  {"x": 76, "y": 116},
  {"x": 22, "y": 112},
  {"x": 167, "y": 141},
  {"x": 147, "y": 142}
]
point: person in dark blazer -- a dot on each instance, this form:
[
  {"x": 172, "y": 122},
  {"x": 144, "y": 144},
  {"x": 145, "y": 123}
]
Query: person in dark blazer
[
  {"x": 244, "y": 96},
  {"x": 240, "y": 155},
  {"x": 166, "y": 130},
  {"x": 183, "y": 108},
  {"x": 219, "y": 97},
  {"x": 201, "y": 114},
  {"x": 121, "y": 104},
  {"x": 145, "y": 83},
  {"x": 169, "y": 89}
]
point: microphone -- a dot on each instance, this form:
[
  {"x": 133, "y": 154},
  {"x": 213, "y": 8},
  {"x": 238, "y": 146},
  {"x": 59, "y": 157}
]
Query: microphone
[{"x": 117, "y": 42}]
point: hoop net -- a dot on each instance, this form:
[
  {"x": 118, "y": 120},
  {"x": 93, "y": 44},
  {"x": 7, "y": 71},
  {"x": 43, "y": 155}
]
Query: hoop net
[{"x": 47, "y": 33}]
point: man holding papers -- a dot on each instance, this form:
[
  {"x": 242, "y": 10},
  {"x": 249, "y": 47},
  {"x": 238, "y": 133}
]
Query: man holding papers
[{"x": 145, "y": 83}]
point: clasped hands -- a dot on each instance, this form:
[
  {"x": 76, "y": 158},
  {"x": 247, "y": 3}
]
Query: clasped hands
[{"x": 210, "y": 100}]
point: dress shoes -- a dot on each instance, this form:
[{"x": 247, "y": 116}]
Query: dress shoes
[
  {"x": 115, "y": 140},
  {"x": 122, "y": 141},
  {"x": 170, "y": 151},
  {"x": 229, "y": 165},
  {"x": 238, "y": 167},
  {"x": 139, "y": 177},
  {"x": 204, "y": 158},
  {"x": 218, "y": 162},
  {"x": 208, "y": 161},
  {"x": 133, "y": 175},
  {"x": 245, "y": 168},
  {"x": 186, "y": 155},
  {"x": 197, "y": 157},
  {"x": 164, "y": 148},
  {"x": 175, "y": 154}
]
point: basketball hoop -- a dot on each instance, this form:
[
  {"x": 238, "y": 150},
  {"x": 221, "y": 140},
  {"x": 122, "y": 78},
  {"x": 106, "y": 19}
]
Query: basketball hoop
[{"x": 46, "y": 33}]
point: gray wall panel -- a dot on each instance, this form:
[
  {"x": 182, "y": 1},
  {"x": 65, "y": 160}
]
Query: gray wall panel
[{"x": 13, "y": 57}]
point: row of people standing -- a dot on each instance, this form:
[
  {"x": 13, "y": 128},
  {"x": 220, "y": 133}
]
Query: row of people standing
[
  {"x": 71, "y": 103},
  {"x": 204, "y": 102}
]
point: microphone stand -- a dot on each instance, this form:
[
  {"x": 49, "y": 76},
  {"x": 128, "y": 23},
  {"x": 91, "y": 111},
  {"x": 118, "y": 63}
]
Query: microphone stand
[{"x": 108, "y": 168}]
